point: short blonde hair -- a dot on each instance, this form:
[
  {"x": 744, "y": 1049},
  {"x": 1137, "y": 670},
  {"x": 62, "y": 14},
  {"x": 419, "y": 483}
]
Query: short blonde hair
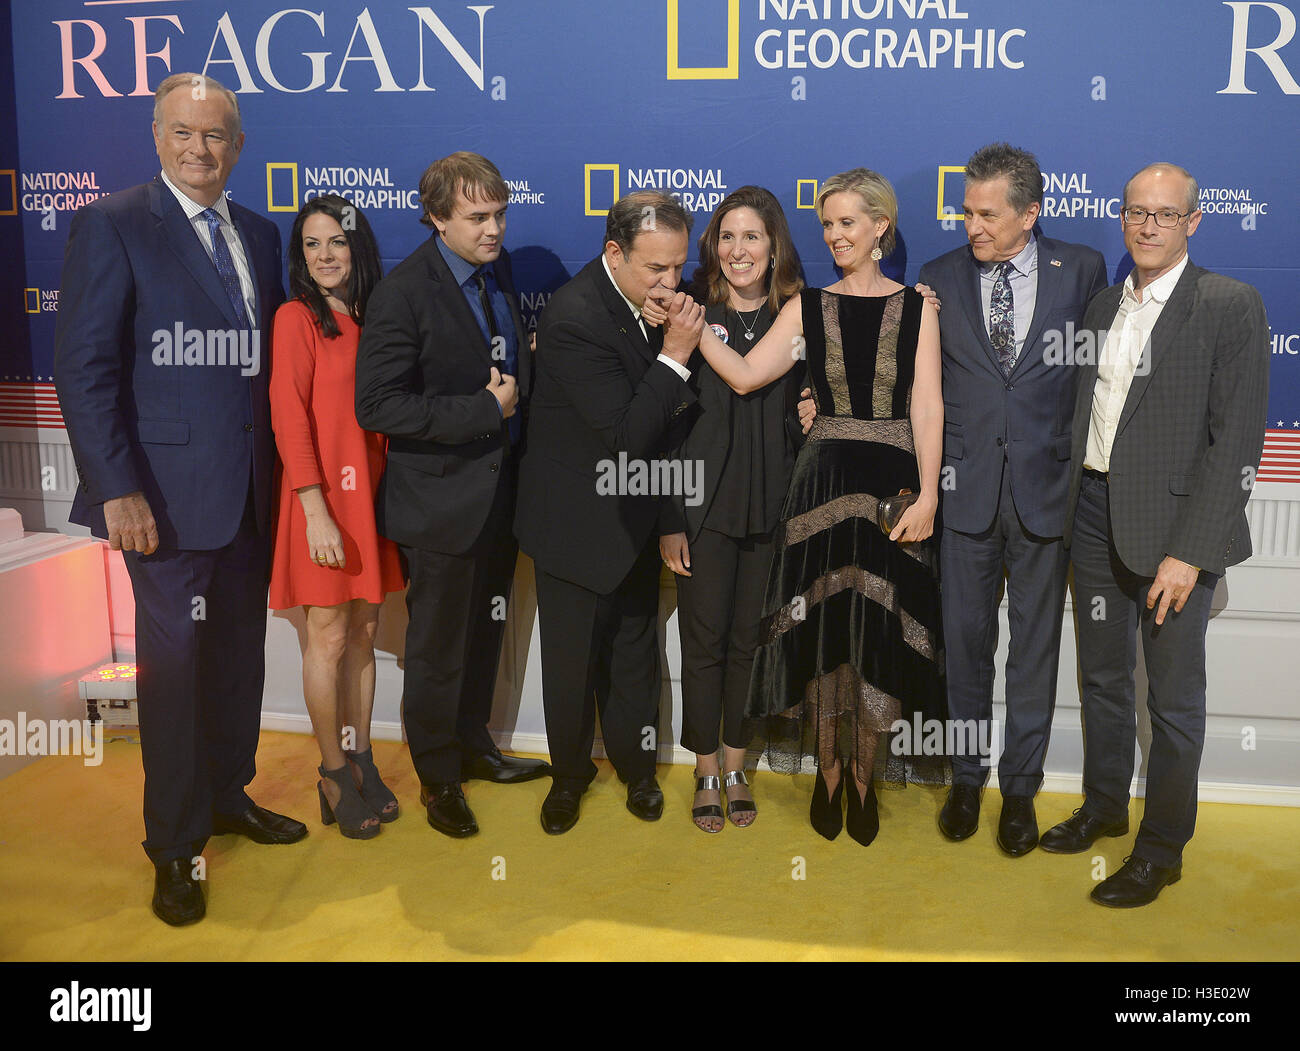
[{"x": 877, "y": 195}]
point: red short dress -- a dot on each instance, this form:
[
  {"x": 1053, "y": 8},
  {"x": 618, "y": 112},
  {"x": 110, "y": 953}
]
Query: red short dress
[{"x": 313, "y": 383}]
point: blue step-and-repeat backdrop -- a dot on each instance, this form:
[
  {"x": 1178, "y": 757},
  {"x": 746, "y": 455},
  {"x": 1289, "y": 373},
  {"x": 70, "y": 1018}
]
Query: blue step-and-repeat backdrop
[{"x": 579, "y": 101}]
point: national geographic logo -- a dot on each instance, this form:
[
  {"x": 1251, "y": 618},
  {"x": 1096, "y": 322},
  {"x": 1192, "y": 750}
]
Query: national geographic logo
[
  {"x": 522, "y": 192},
  {"x": 289, "y": 184},
  {"x": 698, "y": 189},
  {"x": 1066, "y": 195},
  {"x": 40, "y": 300},
  {"x": 49, "y": 192},
  {"x": 823, "y": 34},
  {"x": 1231, "y": 200}
]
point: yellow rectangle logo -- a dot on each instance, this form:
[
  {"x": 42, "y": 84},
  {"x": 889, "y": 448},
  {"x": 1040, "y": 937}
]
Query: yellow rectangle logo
[
  {"x": 271, "y": 168},
  {"x": 587, "y": 169},
  {"x": 944, "y": 171},
  {"x": 799, "y": 196},
  {"x": 731, "y": 71},
  {"x": 13, "y": 191},
  {"x": 32, "y": 300}
]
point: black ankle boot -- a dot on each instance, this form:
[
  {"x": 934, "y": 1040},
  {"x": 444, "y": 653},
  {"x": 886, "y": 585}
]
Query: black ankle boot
[
  {"x": 863, "y": 821},
  {"x": 826, "y": 813}
]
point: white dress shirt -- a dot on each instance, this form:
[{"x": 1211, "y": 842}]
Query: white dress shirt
[
  {"x": 194, "y": 213},
  {"x": 1123, "y": 352},
  {"x": 681, "y": 370}
]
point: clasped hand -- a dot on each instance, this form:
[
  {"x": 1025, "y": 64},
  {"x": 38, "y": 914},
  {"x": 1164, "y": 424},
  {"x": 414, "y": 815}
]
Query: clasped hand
[{"x": 683, "y": 321}]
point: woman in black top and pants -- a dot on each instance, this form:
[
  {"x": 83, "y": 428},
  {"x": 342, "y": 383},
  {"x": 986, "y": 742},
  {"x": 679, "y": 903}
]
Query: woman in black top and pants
[{"x": 720, "y": 545}]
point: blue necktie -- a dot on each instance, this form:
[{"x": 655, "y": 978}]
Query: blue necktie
[
  {"x": 226, "y": 266},
  {"x": 1002, "y": 319},
  {"x": 508, "y": 365}
]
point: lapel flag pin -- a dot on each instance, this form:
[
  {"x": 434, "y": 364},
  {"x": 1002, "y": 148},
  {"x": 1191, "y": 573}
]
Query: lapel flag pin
[{"x": 1056, "y": 262}]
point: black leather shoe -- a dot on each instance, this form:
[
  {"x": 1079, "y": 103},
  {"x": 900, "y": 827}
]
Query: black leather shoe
[
  {"x": 960, "y": 816},
  {"x": 1137, "y": 883},
  {"x": 645, "y": 799},
  {"x": 1017, "y": 826},
  {"x": 177, "y": 896},
  {"x": 503, "y": 769},
  {"x": 447, "y": 811},
  {"x": 560, "y": 810},
  {"x": 1077, "y": 833},
  {"x": 260, "y": 825}
]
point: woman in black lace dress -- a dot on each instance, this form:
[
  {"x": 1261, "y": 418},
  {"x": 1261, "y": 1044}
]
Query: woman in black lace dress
[{"x": 850, "y": 634}]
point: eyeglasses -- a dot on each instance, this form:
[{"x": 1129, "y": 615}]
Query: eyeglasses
[{"x": 1163, "y": 216}]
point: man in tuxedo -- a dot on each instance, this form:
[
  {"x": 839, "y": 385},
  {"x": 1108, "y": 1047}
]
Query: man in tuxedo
[
  {"x": 161, "y": 364},
  {"x": 444, "y": 369},
  {"x": 1168, "y": 432},
  {"x": 609, "y": 390},
  {"x": 1009, "y": 300}
]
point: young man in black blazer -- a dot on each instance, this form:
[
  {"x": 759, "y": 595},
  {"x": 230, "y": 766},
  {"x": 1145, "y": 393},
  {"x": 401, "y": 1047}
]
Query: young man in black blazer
[
  {"x": 444, "y": 369},
  {"x": 609, "y": 390}
]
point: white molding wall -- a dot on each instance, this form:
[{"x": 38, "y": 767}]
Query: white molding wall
[{"x": 1252, "y": 746}]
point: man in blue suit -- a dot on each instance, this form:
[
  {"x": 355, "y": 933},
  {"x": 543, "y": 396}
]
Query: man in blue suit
[
  {"x": 161, "y": 364},
  {"x": 1011, "y": 301}
]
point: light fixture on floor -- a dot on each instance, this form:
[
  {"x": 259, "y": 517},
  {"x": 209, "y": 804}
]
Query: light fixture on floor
[{"x": 109, "y": 693}]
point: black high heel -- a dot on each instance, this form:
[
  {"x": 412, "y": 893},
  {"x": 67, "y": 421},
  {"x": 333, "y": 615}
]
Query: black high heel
[
  {"x": 377, "y": 795},
  {"x": 351, "y": 811},
  {"x": 863, "y": 821},
  {"x": 826, "y": 813}
]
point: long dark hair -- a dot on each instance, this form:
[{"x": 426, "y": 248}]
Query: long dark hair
[
  {"x": 783, "y": 280},
  {"x": 366, "y": 268}
]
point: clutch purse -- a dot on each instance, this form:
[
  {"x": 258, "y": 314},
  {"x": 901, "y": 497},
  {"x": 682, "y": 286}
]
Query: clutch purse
[{"x": 891, "y": 509}]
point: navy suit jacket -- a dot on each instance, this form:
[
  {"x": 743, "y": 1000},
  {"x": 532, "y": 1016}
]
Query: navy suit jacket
[
  {"x": 189, "y": 436},
  {"x": 1024, "y": 418}
]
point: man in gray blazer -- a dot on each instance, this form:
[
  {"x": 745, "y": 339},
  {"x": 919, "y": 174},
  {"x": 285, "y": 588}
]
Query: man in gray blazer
[
  {"x": 1168, "y": 431},
  {"x": 1011, "y": 301}
]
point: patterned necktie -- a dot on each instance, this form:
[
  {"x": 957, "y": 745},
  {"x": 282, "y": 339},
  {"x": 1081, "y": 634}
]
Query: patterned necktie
[
  {"x": 226, "y": 266},
  {"x": 1002, "y": 319}
]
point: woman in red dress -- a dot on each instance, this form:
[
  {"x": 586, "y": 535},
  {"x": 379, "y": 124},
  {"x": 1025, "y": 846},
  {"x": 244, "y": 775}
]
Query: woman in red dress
[{"x": 328, "y": 556}]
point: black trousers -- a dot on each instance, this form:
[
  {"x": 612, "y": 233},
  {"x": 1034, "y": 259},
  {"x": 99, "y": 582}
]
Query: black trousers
[
  {"x": 971, "y": 568},
  {"x": 1110, "y": 612},
  {"x": 718, "y": 609},
  {"x": 601, "y": 652},
  {"x": 200, "y": 624},
  {"x": 456, "y": 606}
]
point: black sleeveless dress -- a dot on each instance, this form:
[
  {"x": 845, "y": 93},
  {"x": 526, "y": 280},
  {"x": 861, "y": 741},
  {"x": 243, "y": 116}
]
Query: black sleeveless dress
[{"x": 851, "y": 621}]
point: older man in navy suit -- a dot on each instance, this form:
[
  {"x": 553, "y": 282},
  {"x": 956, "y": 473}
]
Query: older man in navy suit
[
  {"x": 1011, "y": 301},
  {"x": 161, "y": 367}
]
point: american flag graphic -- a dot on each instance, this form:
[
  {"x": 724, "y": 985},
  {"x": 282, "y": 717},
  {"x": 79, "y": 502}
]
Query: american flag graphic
[
  {"x": 29, "y": 405},
  {"x": 1281, "y": 459}
]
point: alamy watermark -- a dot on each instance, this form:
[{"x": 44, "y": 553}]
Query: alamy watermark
[
  {"x": 241, "y": 347},
  {"x": 41, "y": 737},
  {"x": 634, "y": 477}
]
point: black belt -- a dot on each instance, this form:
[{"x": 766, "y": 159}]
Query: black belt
[{"x": 1100, "y": 476}]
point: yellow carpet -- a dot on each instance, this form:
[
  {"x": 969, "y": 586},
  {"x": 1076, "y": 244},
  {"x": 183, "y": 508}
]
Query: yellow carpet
[{"x": 75, "y": 885}]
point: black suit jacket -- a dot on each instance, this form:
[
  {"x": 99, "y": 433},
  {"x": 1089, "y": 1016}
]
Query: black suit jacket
[
  {"x": 422, "y": 372},
  {"x": 1191, "y": 431},
  {"x": 601, "y": 400},
  {"x": 1024, "y": 419}
]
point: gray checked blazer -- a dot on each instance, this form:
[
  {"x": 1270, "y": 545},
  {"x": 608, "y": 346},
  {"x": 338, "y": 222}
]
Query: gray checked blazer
[{"x": 1192, "y": 428}]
